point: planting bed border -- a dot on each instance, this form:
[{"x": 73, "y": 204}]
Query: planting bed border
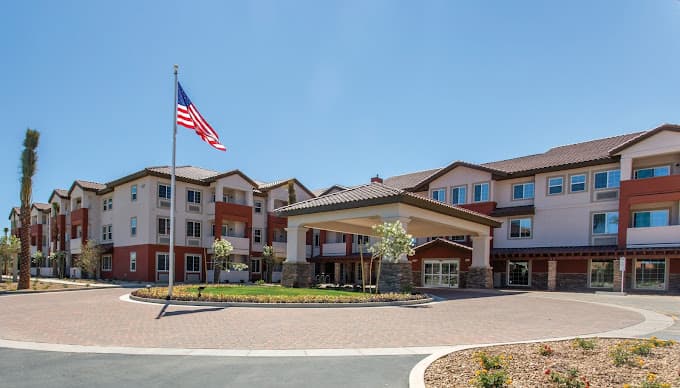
[{"x": 428, "y": 299}]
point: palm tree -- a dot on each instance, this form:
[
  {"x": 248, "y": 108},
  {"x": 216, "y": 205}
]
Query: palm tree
[
  {"x": 29, "y": 161},
  {"x": 292, "y": 198}
]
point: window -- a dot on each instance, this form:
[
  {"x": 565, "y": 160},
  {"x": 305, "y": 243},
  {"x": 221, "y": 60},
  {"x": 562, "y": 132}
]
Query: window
[
  {"x": 107, "y": 204},
  {"x": 520, "y": 228},
  {"x": 212, "y": 230},
  {"x": 107, "y": 232},
  {"x": 602, "y": 273},
  {"x": 193, "y": 229},
  {"x": 257, "y": 236},
  {"x": 106, "y": 263},
  {"x": 606, "y": 223},
  {"x": 361, "y": 239},
  {"x": 607, "y": 179},
  {"x": 459, "y": 195},
  {"x": 79, "y": 231},
  {"x": 650, "y": 274},
  {"x": 133, "y": 193},
  {"x": 164, "y": 226},
  {"x": 439, "y": 195},
  {"x": 481, "y": 192},
  {"x": 518, "y": 273},
  {"x": 258, "y": 207},
  {"x": 461, "y": 238},
  {"x": 193, "y": 196},
  {"x": 523, "y": 191},
  {"x": 652, "y": 172},
  {"x": 577, "y": 183},
  {"x": 133, "y": 226},
  {"x": 162, "y": 261},
  {"x": 133, "y": 261},
  {"x": 164, "y": 191},
  {"x": 555, "y": 185},
  {"x": 646, "y": 219},
  {"x": 255, "y": 265},
  {"x": 193, "y": 263},
  {"x": 212, "y": 196}
]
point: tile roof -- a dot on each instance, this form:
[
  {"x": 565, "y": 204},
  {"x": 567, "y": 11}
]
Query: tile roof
[
  {"x": 566, "y": 155},
  {"x": 42, "y": 206},
  {"x": 270, "y": 185},
  {"x": 442, "y": 241},
  {"x": 410, "y": 180},
  {"x": 378, "y": 194},
  {"x": 87, "y": 185},
  {"x": 61, "y": 192},
  {"x": 187, "y": 172},
  {"x": 326, "y": 190}
]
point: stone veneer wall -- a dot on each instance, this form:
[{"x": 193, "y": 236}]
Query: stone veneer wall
[
  {"x": 572, "y": 281},
  {"x": 478, "y": 277},
  {"x": 395, "y": 277},
  {"x": 296, "y": 275}
]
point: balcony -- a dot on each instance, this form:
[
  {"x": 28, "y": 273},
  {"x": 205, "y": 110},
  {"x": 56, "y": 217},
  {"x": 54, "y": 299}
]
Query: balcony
[
  {"x": 279, "y": 248},
  {"x": 75, "y": 245},
  {"x": 241, "y": 245},
  {"x": 308, "y": 251},
  {"x": 654, "y": 236},
  {"x": 335, "y": 249},
  {"x": 657, "y": 186}
]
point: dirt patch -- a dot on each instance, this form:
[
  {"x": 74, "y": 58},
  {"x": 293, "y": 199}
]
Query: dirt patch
[
  {"x": 38, "y": 286},
  {"x": 534, "y": 365}
]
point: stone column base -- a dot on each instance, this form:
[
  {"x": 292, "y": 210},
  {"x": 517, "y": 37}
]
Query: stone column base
[
  {"x": 480, "y": 277},
  {"x": 395, "y": 277},
  {"x": 552, "y": 275},
  {"x": 298, "y": 275}
]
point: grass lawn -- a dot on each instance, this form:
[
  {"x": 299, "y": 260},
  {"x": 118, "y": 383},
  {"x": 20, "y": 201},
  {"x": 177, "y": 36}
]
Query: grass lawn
[
  {"x": 269, "y": 294},
  {"x": 268, "y": 290}
]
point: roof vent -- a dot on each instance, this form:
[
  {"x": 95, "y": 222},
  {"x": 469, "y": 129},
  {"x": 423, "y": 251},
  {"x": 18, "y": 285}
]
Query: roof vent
[{"x": 376, "y": 179}]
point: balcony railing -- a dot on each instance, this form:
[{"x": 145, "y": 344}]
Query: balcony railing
[
  {"x": 335, "y": 249},
  {"x": 653, "y": 236},
  {"x": 241, "y": 244},
  {"x": 75, "y": 245},
  {"x": 279, "y": 248}
]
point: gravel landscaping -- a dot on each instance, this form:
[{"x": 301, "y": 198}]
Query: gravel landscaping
[
  {"x": 269, "y": 294},
  {"x": 8, "y": 286},
  {"x": 646, "y": 363}
]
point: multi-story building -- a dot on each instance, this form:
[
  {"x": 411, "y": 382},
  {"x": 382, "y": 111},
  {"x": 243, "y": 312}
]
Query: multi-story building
[{"x": 569, "y": 216}]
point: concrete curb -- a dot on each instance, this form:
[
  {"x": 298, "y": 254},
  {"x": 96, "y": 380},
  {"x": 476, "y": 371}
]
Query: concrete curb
[
  {"x": 278, "y": 305},
  {"x": 652, "y": 323}
]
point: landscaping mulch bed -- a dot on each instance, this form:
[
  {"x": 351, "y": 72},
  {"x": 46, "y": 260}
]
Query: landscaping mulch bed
[
  {"x": 527, "y": 367},
  {"x": 37, "y": 286}
]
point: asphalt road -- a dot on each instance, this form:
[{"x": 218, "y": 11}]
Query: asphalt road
[{"x": 27, "y": 368}]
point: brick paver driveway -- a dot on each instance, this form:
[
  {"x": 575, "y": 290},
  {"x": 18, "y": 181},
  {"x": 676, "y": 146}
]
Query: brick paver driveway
[{"x": 98, "y": 317}]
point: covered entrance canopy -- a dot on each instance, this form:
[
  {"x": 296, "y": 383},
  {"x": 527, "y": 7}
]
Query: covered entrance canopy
[{"x": 357, "y": 209}]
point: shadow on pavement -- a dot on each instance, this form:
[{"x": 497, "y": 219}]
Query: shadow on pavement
[
  {"x": 456, "y": 294},
  {"x": 165, "y": 313}
]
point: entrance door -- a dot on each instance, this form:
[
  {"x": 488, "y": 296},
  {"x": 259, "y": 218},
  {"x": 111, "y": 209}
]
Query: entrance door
[{"x": 441, "y": 273}]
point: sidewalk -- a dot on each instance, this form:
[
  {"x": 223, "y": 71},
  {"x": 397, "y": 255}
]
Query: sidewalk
[{"x": 82, "y": 283}]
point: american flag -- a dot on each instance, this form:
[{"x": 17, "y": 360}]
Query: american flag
[{"x": 188, "y": 116}]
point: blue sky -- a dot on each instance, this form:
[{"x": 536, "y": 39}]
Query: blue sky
[{"x": 331, "y": 92}]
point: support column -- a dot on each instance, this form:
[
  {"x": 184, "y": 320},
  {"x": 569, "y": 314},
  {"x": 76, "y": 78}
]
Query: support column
[
  {"x": 480, "y": 274},
  {"x": 552, "y": 275},
  {"x": 297, "y": 272},
  {"x": 337, "y": 274}
]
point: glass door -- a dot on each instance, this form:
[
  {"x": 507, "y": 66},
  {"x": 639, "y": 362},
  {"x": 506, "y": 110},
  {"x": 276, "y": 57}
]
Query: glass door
[{"x": 441, "y": 273}]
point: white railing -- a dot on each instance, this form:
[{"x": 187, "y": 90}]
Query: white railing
[
  {"x": 279, "y": 248},
  {"x": 654, "y": 236},
  {"x": 230, "y": 276},
  {"x": 308, "y": 251},
  {"x": 75, "y": 245},
  {"x": 316, "y": 251},
  {"x": 334, "y": 249},
  {"x": 241, "y": 245}
]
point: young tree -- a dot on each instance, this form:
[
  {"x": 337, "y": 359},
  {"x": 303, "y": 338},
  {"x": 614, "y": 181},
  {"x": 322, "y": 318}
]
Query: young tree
[
  {"x": 393, "y": 244},
  {"x": 38, "y": 259},
  {"x": 292, "y": 197},
  {"x": 90, "y": 259},
  {"x": 29, "y": 161},
  {"x": 222, "y": 249},
  {"x": 9, "y": 249},
  {"x": 269, "y": 260},
  {"x": 57, "y": 261}
]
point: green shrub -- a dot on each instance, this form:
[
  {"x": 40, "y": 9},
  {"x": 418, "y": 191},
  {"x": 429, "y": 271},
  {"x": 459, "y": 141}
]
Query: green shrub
[
  {"x": 545, "y": 350},
  {"x": 568, "y": 380},
  {"x": 488, "y": 362},
  {"x": 584, "y": 344},
  {"x": 497, "y": 378},
  {"x": 620, "y": 354},
  {"x": 259, "y": 282}
]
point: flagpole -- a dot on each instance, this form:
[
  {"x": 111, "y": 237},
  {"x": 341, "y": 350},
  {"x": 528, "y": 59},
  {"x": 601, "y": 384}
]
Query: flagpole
[{"x": 171, "y": 268}]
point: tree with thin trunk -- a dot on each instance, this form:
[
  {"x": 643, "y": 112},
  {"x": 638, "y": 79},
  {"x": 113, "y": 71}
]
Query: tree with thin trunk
[
  {"x": 90, "y": 259},
  {"x": 268, "y": 257},
  {"x": 9, "y": 249},
  {"x": 29, "y": 161},
  {"x": 221, "y": 251},
  {"x": 292, "y": 197},
  {"x": 38, "y": 259},
  {"x": 393, "y": 244}
]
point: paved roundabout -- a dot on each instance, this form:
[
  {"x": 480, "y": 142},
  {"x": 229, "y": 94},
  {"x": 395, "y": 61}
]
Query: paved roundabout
[{"x": 103, "y": 318}]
